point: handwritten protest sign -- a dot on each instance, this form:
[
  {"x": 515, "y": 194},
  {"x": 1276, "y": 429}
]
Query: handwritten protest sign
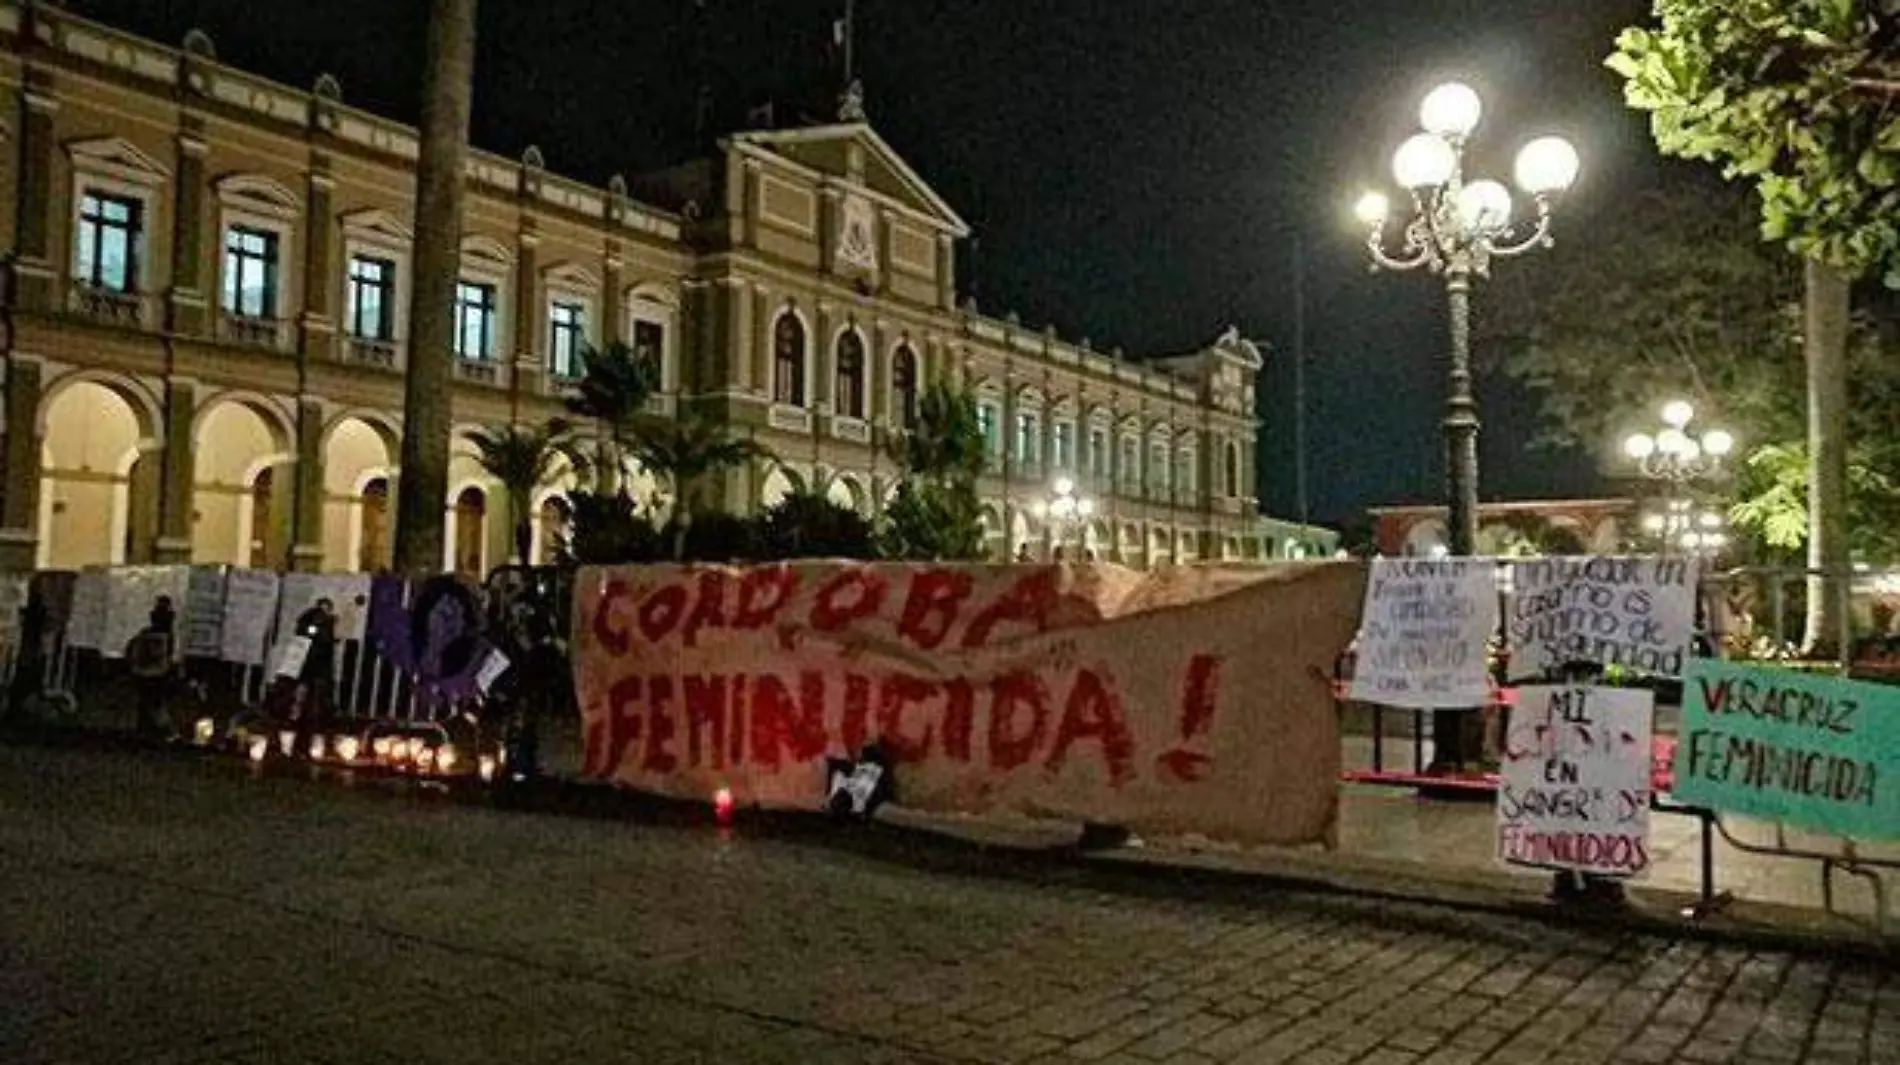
[
  {"x": 1031, "y": 689},
  {"x": 1633, "y": 612},
  {"x": 1573, "y": 791},
  {"x": 86, "y": 624},
  {"x": 204, "y": 612},
  {"x": 1423, "y": 633},
  {"x": 13, "y": 595},
  {"x": 348, "y": 594},
  {"x": 131, "y": 593},
  {"x": 250, "y": 604},
  {"x": 1814, "y": 752}
]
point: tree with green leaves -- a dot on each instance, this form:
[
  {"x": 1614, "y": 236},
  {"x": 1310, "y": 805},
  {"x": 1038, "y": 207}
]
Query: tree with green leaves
[
  {"x": 1793, "y": 96},
  {"x": 808, "y": 523},
  {"x": 936, "y": 514},
  {"x": 521, "y": 458},
  {"x": 1669, "y": 294},
  {"x": 612, "y": 393},
  {"x": 688, "y": 452}
]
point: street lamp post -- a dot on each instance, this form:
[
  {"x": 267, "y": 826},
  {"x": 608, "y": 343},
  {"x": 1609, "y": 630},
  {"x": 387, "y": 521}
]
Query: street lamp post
[
  {"x": 1064, "y": 509},
  {"x": 1456, "y": 229},
  {"x": 1677, "y": 456}
]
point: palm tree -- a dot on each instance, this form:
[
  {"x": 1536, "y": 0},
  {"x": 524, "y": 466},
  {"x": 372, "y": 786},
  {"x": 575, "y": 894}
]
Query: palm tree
[
  {"x": 685, "y": 452},
  {"x": 448, "y": 88},
  {"x": 947, "y": 442},
  {"x": 522, "y": 458},
  {"x": 613, "y": 393}
]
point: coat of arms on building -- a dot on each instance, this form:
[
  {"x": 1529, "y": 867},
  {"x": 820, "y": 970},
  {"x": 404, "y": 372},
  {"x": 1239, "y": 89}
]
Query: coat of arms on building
[{"x": 857, "y": 234}]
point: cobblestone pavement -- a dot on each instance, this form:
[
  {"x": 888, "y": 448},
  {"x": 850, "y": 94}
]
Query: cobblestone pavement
[{"x": 157, "y": 910}]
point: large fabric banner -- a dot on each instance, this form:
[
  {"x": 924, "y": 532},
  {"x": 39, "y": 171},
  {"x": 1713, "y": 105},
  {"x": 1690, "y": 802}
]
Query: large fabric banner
[
  {"x": 1811, "y": 751},
  {"x": 1190, "y": 700},
  {"x": 1424, "y": 635},
  {"x": 1615, "y": 611}
]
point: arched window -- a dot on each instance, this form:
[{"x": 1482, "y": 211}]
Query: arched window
[
  {"x": 850, "y": 385},
  {"x": 788, "y": 360},
  {"x": 1230, "y": 471},
  {"x": 904, "y": 385}
]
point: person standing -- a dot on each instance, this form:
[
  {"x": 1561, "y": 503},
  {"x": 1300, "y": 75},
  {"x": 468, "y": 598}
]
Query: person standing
[
  {"x": 150, "y": 657},
  {"x": 318, "y": 676}
]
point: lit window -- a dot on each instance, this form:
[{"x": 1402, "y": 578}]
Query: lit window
[
  {"x": 1158, "y": 468},
  {"x": 250, "y": 272},
  {"x": 988, "y": 422},
  {"x": 106, "y": 251},
  {"x": 649, "y": 346},
  {"x": 567, "y": 332},
  {"x": 788, "y": 360},
  {"x": 1062, "y": 446},
  {"x": 1028, "y": 438},
  {"x": 1184, "y": 472},
  {"x": 904, "y": 385},
  {"x": 371, "y": 298},
  {"x": 850, "y": 385},
  {"x": 474, "y": 320}
]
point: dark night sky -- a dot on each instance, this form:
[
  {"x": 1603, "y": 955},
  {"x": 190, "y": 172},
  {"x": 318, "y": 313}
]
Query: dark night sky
[{"x": 1136, "y": 169}]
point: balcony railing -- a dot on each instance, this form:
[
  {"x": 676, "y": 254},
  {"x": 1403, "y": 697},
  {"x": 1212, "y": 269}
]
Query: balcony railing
[
  {"x": 478, "y": 371},
  {"x": 855, "y": 430},
  {"x": 788, "y": 418},
  {"x": 107, "y": 305},
  {"x": 253, "y": 332},
  {"x": 370, "y": 351}
]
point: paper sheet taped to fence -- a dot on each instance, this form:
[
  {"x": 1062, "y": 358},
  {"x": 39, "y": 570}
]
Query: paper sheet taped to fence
[
  {"x": 1424, "y": 632},
  {"x": 1191, "y": 700},
  {"x": 1633, "y": 612},
  {"x": 1811, "y": 751},
  {"x": 1574, "y": 787}
]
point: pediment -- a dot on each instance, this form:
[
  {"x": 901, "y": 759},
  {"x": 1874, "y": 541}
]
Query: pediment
[
  {"x": 378, "y": 223},
  {"x": 258, "y": 193},
  {"x": 829, "y": 151},
  {"x": 572, "y": 275},
  {"x": 117, "y": 157}
]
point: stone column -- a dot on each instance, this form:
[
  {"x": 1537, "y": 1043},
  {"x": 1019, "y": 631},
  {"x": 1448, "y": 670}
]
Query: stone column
[
  {"x": 188, "y": 304},
  {"x": 318, "y": 324},
  {"x": 877, "y": 407},
  {"x": 761, "y": 339},
  {"x": 306, "y": 540},
  {"x": 177, "y": 467},
  {"x": 611, "y": 327},
  {"x": 20, "y": 469},
  {"x": 818, "y": 391},
  {"x": 34, "y": 277},
  {"x": 946, "y": 272},
  {"x": 530, "y": 370}
]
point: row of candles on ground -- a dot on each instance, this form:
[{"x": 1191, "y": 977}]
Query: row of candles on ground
[{"x": 389, "y": 751}]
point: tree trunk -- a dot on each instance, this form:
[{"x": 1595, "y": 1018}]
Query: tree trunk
[
  {"x": 448, "y": 86},
  {"x": 1825, "y": 349}
]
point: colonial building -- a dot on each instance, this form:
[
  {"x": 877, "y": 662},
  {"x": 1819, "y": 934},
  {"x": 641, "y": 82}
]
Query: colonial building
[
  {"x": 205, "y": 335},
  {"x": 1599, "y": 526}
]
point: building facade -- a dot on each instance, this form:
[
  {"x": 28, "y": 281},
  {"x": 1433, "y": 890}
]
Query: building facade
[
  {"x": 1597, "y": 526},
  {"x": 205, "y": 335}
]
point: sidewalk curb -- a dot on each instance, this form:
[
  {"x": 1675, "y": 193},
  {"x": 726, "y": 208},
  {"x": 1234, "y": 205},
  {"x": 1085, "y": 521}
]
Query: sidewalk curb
[{"x": 1408, "y": 895}]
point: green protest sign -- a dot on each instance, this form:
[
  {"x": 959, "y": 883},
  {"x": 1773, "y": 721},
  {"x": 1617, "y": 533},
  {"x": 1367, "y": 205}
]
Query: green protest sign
[{"x": 1811, "y": 751}]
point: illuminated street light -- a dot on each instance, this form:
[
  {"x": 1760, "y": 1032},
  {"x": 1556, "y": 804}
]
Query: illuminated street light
[
  {"x": 1456, "y": 228},
  {"x": 1675, "y": 453},
  {"x": 1064, "y": 509}
]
